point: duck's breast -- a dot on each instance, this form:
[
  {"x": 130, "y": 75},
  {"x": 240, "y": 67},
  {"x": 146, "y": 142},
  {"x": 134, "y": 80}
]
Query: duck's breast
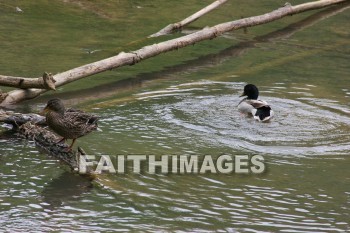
[{"x": 245, "y": 107}]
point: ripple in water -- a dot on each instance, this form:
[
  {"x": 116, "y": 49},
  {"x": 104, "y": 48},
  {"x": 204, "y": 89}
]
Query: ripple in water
[{"x": 209, "y": 110}]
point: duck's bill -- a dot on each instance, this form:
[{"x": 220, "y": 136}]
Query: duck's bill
[
  {"x": 44, "y": 111},
  {"x": 243, "y": 94}
]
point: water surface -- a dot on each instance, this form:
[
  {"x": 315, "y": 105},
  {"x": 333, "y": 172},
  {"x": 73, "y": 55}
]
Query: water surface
[{"x": 184, "y": 103}]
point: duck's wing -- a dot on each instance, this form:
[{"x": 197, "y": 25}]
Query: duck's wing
[
  {"x": 79, "y": 122},
  {"x": 82, "y": 117},
  {"x": 257, "y": 103},
  {"x": 262, "y": 111}
]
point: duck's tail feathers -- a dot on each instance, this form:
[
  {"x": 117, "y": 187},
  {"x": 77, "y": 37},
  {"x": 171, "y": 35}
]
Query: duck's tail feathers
[
  {"x": 93, "y": 119},
  {"x": 263, "y": 113}
]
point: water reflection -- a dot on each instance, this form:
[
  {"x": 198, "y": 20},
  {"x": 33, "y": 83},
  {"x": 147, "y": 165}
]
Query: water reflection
[{"x": 65, "y": 188}]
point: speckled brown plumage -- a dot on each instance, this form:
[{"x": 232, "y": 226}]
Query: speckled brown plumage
[{"x": 70, "y": 123}]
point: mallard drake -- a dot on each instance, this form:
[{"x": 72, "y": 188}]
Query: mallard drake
[
  {"x": 259, "y": 109},
  {"x": 70, "y": 123}
]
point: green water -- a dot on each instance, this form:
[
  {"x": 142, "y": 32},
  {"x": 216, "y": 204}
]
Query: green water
[{"x": 183, "y": 103}]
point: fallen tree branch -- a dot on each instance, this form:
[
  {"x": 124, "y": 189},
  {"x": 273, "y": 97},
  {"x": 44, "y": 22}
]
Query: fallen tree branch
[
  {"x": 45, "y": 82},
  {"x": 2, "y": 96},
  {"x": 134, "y": 57},
  {"x": 176, "y": 26}
]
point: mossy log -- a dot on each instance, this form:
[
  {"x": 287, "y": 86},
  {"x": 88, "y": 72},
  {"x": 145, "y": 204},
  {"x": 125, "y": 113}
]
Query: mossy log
[
  {"x": 47, "y": 141},
  {"x": 33, "y": 127}
]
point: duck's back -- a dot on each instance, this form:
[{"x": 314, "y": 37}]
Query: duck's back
[
  {"x": 259, "y": 109},
  {"x": 73, "y": 124},
  {"x": 249, "y": 105}
]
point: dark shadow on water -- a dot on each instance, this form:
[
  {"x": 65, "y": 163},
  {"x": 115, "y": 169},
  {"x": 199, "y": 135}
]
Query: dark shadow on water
[
  {"x": 203, "y": 62},
  {"x": 7, "y": 133},
  {"x": 66, "y": 187}
]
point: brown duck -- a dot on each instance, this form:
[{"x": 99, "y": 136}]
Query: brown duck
[{"x": 70, "y": 123}]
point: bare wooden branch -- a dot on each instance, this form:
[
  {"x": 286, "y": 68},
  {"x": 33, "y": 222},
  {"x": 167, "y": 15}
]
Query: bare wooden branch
[
  {"x": 45, "y": 82},
  {"x": 2, "y": 96},
  {"x": 206, "y": 61},
  {"x": 134, "y": 57},
  {"x": 313, "y": 5},
  {"x": 175, "y": 26},
  {"x": 48, "y": 81}
]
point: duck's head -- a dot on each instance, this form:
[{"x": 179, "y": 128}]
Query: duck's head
[
  {"x": 251, "y": 91},
  {"x": 54, "y": 105}
]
